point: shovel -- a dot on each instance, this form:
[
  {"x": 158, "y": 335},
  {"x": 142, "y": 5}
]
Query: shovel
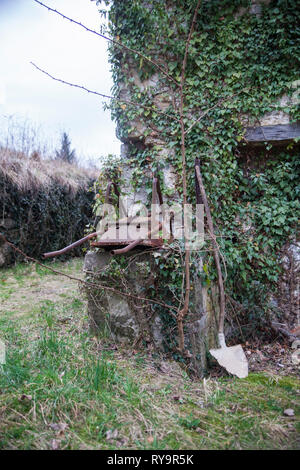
[{"x": 232, "y": 358}]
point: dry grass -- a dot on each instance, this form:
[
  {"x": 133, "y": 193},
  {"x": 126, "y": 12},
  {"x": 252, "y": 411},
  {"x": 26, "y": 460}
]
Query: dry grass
[{"x": 35, "y": 173}]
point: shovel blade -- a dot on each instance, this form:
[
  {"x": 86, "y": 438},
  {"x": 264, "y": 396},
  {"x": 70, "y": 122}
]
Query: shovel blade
[{"x": 233, "y": 359}]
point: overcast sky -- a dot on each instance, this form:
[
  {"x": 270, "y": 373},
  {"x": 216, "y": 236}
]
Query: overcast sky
[{"x": 28, "y": 32}]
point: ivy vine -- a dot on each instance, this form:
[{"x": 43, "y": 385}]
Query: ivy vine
[{"x": 239, "y": 66}]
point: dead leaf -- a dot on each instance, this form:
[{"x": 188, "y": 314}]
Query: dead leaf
[
  {"x": 178, "y": 398},
  {"x": 289, "y": 412},
  {"x": 55, "y": 444},
  {"x": 187, "y": 352},
  {"x": 64, "y": 320},
  {"x": 120, "y": 443},
  {"x": 59, "y": 428},
  {"x": 111, "y": 434},
  {"x": 200, "y": 431},
  {"x": 25, "y": 397}
]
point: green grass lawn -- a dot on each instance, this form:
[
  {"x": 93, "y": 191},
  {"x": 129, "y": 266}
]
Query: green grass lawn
[{"x": 62, "y": 388}]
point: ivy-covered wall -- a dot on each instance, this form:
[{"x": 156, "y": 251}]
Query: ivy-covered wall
[{"x": 241, "y": 70}]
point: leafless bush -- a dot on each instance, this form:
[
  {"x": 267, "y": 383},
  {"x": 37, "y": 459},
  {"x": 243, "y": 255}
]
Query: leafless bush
[{"x": 19, "y": 134}]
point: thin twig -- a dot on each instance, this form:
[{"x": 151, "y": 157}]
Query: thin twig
[
  {"x": 113, "y": 41},
  {"x": 203, "y": 115},
  {"x": 93, "y": 92}
]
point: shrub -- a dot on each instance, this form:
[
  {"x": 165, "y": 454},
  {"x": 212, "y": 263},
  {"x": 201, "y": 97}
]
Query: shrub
[{"x": 44, "y": 204}]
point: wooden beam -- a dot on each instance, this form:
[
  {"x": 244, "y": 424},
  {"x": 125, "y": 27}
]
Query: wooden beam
[{"x": 278, "y": 134}]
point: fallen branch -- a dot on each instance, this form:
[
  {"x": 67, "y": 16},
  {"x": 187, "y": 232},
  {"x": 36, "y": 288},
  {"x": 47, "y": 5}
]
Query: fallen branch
[{"x": 276, "y": 326}]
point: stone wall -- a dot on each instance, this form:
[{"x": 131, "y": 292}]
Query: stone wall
[{"x": 132, "y": 321}]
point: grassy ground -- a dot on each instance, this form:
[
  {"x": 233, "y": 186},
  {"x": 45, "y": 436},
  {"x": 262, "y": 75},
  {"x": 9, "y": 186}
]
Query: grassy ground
[{"x": 63, "y": 389}]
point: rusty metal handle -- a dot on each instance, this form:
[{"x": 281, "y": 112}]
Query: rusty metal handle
[
  {"x": 127, "y": 248},
  {"x": 51, "y": 254},
  {"x": 135, "y": 242},
  {"x": 156, "y": 193}
]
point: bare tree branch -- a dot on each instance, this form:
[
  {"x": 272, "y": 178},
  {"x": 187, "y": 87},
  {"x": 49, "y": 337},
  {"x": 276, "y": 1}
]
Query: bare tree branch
[
  {"x": 113, "y": 41},
  {"x": 202, "y": 116},
  {"x": 81, "y": 87}
]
